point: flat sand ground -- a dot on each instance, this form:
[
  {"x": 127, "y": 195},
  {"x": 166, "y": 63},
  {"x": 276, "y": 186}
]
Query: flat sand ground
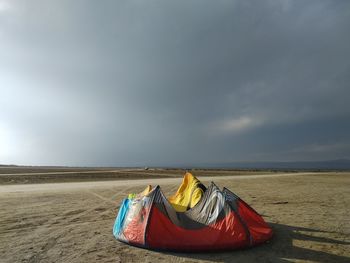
[{"x": 72, "y": 222}]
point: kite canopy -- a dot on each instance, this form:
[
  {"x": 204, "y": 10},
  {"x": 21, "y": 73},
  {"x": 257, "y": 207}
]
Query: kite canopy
[{"x": 194, "y": 219}]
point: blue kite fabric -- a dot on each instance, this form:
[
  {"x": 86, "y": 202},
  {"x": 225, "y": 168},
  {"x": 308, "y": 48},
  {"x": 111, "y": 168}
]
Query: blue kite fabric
[{"x": 121, "y": 217}]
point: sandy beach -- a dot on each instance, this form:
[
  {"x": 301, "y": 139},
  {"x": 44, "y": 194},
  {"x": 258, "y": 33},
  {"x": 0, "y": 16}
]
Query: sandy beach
[{"x": 72, "y": 222}]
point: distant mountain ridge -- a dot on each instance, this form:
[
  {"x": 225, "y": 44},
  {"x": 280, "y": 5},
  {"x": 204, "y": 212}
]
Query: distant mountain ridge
[{"x": 339, "y": 164}]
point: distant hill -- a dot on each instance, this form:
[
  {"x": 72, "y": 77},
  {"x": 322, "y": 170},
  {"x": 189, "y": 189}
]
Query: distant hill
[{"x": 341, "y": 164}]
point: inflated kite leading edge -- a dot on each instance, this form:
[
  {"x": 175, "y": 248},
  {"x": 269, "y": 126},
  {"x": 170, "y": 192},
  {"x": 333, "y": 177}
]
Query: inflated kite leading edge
[{"x": 191, "y": 220}]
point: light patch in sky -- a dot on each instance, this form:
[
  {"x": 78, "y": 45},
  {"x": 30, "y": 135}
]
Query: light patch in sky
[
  {"x": 4, "y": 6},
  {"x": 9, "y": 146},
  {"x": 240, "y": 124}
]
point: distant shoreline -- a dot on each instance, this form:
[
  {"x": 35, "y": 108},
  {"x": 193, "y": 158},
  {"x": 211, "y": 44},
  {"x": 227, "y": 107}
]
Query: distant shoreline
[
  {"x": 326, "y": 165},
  {"x": 38, "y": 175}
]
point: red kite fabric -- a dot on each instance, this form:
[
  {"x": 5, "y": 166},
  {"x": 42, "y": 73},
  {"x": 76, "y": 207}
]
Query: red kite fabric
[{"x": 219, "y": 221}]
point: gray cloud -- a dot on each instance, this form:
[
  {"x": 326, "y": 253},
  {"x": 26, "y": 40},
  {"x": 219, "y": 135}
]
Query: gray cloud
[{"x": 166, "y": 82}]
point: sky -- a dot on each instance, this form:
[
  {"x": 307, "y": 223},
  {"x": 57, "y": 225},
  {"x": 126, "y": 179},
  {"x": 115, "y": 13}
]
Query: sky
[{"x": 134, "y": 83}]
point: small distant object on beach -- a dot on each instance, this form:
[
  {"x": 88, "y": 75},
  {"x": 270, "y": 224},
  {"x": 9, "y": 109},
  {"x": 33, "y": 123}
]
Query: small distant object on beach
[{"x": 146, "y": 168}]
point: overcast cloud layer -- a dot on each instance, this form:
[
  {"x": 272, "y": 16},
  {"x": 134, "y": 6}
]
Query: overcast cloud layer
[{"x": 173, "y": 82}]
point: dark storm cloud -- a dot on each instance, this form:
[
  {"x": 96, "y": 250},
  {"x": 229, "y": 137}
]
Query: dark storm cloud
[{"x": 166, "y": 82}]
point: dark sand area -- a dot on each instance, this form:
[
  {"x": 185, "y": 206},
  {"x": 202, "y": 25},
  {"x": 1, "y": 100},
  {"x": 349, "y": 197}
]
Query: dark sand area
[{"x": 36, "y": 175}]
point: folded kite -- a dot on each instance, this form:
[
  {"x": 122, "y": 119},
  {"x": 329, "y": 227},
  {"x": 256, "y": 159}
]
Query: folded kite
[{"x": 194, "y": 219}]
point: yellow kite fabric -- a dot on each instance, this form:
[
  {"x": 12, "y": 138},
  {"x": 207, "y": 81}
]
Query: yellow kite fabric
[
  {"x": 188, "y": 194},
  {"x": 145, "y": 192}
]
